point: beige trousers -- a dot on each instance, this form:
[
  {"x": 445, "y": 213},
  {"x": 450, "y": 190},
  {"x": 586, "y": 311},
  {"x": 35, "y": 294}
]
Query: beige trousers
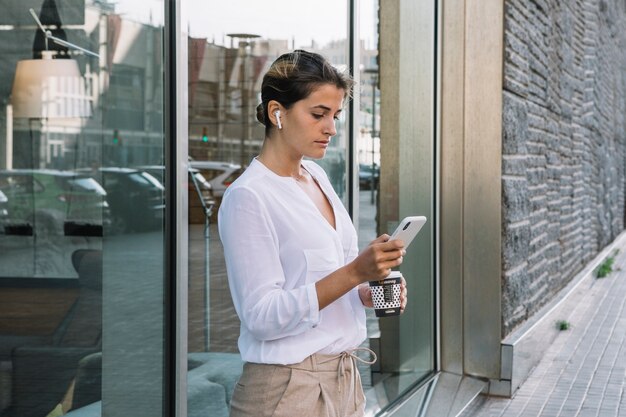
[{"x": 319, "y": 386}]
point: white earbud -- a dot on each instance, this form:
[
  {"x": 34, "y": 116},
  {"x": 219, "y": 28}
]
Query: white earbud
[{"x": 277, "y": 114}]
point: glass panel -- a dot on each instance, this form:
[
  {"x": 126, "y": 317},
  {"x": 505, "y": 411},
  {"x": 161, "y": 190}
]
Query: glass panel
[
  {"x": 411, "y": 335},
  {"x": 81, "y": 226},
  {"x": 231, "y": 47}
]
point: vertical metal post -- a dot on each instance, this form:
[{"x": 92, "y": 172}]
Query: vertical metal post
[
  {"x": 373, "y": 137},
  {"x": 221, "y": 104},
  {"x": 354, "y": 55},
  {"x": 208, "y": 211},
  {"x": 176, "y": 224},
  {"x": 244, "y": 103},
  {"x": 8, "y": 149},
  {"x": 207, "y": 274}
]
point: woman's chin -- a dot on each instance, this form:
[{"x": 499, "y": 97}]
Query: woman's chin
[{"x": 317, "y": 154}]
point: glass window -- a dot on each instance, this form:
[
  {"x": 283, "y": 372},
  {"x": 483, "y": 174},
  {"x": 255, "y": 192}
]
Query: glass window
[
  {"x": 125, "y": 110},
  {"x": 405, "y": 344},
  {"x": 231, "y": 46},
  {"x": 81, "y": 241},
  {"x": 224, "y": 84}
]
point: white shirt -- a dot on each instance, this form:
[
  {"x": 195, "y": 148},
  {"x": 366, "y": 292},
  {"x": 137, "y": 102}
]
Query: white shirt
[{"x": 277, "y": 245}]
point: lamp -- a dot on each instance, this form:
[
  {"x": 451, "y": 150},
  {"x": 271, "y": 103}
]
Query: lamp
[{"x": 47, "y": 87}]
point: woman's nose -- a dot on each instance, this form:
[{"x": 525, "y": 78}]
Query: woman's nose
[{"x": 331, "y": 130}]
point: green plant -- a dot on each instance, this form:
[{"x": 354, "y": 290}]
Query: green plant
[
  {"x": 562, "y": 325},
  {"x": 605, "y": 268}
]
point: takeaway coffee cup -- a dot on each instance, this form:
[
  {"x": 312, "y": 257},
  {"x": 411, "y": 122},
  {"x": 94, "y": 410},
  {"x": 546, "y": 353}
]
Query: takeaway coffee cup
[{"x": 386, "y": 294}]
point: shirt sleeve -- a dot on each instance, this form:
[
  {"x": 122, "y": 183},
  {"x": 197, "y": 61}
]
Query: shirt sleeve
[{"x": 255, "y": 274}]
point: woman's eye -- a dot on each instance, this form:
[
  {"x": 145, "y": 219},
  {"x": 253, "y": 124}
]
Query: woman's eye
[
  {"x": 318, "y": 116},
  {"x": 336, "y": 117}
]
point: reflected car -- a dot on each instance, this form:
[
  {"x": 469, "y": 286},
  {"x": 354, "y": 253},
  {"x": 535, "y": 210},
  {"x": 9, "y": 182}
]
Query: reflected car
[
  {"x": 48, "y": 201},
  {"x": 198, "y": 188},
  {"x": 4, "y": 210},
  {"x": 366, "y": 179},
  {"x": 136, "y": 198},
  {"x": 219, "y": 174},
  {"x": 157, "y": 171}
]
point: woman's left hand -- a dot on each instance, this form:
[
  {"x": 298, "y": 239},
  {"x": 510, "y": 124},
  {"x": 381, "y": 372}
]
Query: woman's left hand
[
  {"x": 403, "y": 296},
  {"x": 365, "y": 293}
]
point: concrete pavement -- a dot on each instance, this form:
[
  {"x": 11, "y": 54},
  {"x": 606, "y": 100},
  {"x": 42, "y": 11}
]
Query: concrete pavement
[{"x": 583, "y": 373}]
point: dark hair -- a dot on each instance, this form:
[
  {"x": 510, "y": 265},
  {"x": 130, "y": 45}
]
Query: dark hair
[{"x": 293, "y": 77}]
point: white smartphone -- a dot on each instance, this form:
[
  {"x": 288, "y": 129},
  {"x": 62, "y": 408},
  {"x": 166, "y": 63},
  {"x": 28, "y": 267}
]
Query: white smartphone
[{"x": 408, "y": 229}]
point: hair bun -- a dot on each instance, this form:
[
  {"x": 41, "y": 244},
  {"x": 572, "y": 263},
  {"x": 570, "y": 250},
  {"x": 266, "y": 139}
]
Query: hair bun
[{"x": 260, "y": 113}]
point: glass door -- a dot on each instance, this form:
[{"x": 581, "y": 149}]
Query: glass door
[{"x": 82, "y": 316}]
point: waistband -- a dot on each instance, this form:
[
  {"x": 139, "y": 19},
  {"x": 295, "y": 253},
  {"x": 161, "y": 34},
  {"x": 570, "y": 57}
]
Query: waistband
[{"x": 319, "y": 362}]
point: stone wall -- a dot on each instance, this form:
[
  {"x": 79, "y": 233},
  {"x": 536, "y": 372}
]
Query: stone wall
[{"x": 564, "y": 138}]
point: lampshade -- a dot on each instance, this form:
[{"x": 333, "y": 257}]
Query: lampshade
[{"x": 49, "y": 88}]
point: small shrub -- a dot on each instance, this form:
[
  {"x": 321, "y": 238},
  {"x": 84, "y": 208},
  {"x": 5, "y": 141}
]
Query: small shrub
[
  {"x": 562, "y": 325},
  {"x": 605, "y": 267}
]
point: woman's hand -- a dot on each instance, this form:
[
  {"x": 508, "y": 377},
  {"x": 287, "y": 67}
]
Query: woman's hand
[
  {"x": 365, "y": 294},
  {"x": 403, "y": 296},
  {"x": 373, "y": 264},
  {"x": 377, "y": 259}
]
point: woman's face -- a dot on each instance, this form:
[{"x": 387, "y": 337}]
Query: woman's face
[{"x": 310, "y": 123}]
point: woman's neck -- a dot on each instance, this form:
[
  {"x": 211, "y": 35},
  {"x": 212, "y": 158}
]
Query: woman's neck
[{"x": 279, "y": 160}]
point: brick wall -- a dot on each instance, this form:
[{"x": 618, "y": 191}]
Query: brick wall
[{"x": 564, "y": 139}]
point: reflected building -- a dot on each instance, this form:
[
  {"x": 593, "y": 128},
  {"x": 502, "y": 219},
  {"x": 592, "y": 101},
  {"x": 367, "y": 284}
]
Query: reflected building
[
  {"x": 224, "y": 86},
  {"x": 122, "y": 88}
]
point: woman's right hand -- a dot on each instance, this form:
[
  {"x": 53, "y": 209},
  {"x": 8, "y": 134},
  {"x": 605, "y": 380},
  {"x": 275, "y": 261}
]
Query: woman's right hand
[{"x": 378, "y": 258}]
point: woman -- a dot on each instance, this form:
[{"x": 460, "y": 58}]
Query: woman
[{"x": 298, "y": 284}]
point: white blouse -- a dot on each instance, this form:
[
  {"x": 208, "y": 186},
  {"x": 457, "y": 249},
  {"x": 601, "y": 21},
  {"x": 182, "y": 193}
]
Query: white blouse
[{"x": 277, "y": 245}]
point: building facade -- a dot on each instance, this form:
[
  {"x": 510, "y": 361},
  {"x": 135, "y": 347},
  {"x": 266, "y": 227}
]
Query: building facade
[
  {"x": 563, "y": 145},
  {"x": 501, "y": 121}
]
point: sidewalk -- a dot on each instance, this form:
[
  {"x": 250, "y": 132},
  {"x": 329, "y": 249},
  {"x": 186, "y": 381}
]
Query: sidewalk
[{"x": 583, "y": 372}]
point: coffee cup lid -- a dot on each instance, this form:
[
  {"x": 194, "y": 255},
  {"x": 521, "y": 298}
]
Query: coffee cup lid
[{"x": 395, "y": 274}]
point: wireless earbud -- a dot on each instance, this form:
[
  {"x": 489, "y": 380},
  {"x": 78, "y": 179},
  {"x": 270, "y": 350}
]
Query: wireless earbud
[{"x": 277, "y": 114}]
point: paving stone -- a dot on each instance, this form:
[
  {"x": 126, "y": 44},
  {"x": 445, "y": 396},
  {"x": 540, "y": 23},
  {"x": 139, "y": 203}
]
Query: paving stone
[{"x": 583, "y": 372}]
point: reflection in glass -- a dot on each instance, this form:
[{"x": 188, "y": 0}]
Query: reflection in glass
[
  {"x": 81, "y": 228},
  {"x": 230, "y": 48},
  {"x": 228, "y": 53},
  {"x": 410, "y": 335}
]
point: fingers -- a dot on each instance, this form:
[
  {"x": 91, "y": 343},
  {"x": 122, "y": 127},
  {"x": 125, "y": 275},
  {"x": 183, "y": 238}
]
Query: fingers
[
  {"x": 386, "y": 243},
  {"x": 393, "y": 244},
  {"x": 388, "y": 250},
  {"x": 384, "y": 267},
  {"x": 386, "y": 261},
  {"x": 403, "y": 296},
  {"x": 377, "y": 260},
  {"x": 380, "y": 239},
  {"x": 394, "y": 254},
  {"x": 365, "y": 294},
  {"x": 388, "y": 258}
]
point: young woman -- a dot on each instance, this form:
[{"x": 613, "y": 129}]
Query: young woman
[{"x": 297, "y": 281}]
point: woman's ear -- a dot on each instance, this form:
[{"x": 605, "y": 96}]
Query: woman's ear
[{"x": 274, "y": 111}]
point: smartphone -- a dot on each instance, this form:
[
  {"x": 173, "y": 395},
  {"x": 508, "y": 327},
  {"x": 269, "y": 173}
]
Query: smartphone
[{"x": 408, "y": 228}]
